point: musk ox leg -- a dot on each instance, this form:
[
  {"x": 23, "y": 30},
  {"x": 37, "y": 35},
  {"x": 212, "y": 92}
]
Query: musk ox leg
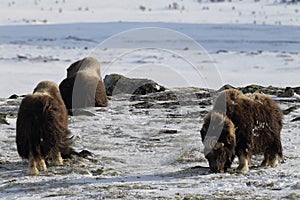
[
  {"x": 32, "y": 165},
  {"x": 273, "y": 162},
  {"x": 243, "y": 164},
  {"x": 36, "y": 164},
  {"x": 270, "y": 159},
  {"x": 55, "y": 158},
  {"x": 42, "y": 165}
]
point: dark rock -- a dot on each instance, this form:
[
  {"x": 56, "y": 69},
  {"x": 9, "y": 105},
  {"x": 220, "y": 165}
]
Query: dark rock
[
  {"x": 202, "y": 95},
  {"x": 175, "y": 116},
  {"x": 3, "y": 119},
  {"x": 144, "y": 104},
  {"x": 161, "y": 96},
  {"x": 85, "y": 153},
  {"x": 174, "y": 98},
  {"x": 183, "y": 94},
  {"x": 251, "y": 89},
  {"x": 290, "y": 109},
  {"x": 205, "y": 103},
  {"x": 221, "y": 51},
  {"x": 14, "y": 96},
  {"x": 147, "y": 105},
  {"x": 296, "y": 119},
  {"x": 270, "y": 90},
  {"x": 118, "y": 84},
  {"x": 168, "y": 131},
  {"x": 225, "y": 87},
  {"x": 297, "y": 90},
  {"x": 288, "y": 92},
  {"x": 21, "y": 57}
]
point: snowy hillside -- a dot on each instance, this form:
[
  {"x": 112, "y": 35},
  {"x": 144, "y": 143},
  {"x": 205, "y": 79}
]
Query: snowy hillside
[
  {"x": 271, "y": 12},
  {"x": 260, "y": 37},
  {"x": 238, "y": 54}
]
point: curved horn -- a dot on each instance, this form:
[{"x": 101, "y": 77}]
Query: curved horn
[
  {"x": 219, "y": 145},
  {"x": 210, "y": 142}
]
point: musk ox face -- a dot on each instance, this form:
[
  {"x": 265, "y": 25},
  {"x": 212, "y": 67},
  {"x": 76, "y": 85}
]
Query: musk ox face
[
  {"x": 218, "y": 137},
  {"x": 216, "y": 158}
]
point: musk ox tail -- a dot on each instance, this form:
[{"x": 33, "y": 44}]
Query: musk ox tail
[{"x": 65, "y": 146}]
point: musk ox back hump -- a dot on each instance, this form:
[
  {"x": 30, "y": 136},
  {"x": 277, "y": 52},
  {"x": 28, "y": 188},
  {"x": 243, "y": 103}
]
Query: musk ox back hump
[
  {"x": 83, "y": 86},
  {"x": 86, "y": 64},
  {"x": 41, "y": 122},
  {"x": 257, "y": 119}
]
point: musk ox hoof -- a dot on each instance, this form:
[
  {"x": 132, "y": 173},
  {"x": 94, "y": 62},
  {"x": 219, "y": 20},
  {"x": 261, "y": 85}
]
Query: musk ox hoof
[
  {"x": 33, "y": 171},
  {"x": 242, "y": 171},
  {"x": 42, "y": 166},
  {"x": 56, "y": 159},
  {"x": 217, "y": 171},
  {"x": 270, "y": 163}
]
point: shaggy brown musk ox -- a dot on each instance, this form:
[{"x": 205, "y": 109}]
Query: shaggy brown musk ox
[
  {"x": 42, "y": 131},
  {"x": 83, "y": 86},
  {"x": 249, "y": 125}
]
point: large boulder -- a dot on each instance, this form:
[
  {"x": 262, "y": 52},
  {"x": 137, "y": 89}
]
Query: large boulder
[
  {"x": 288, "y": 92},
  {"x": 118, "y": 84}
]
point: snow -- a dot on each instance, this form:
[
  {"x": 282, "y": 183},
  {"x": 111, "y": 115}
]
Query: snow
[
  {"x": 141, "y": 161},
  {"x": 188, "y": 11},
  {"x": 125, "y": 48},
  {"x": 176, "y": 43}
]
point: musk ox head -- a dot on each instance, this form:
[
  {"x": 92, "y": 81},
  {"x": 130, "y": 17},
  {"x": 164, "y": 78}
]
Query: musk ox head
[{"x": 218, "y": 137}]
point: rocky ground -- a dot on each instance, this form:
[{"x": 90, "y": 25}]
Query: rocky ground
[{"x": 149, "y": 147}]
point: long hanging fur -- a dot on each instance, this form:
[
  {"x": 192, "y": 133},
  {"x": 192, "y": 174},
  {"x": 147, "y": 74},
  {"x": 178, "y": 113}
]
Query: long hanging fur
[
  {"x": 257, "y": 121},
  {"x": 42, "y": 127}
]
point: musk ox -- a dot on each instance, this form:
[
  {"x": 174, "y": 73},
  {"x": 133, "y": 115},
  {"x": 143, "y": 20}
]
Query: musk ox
[
  {"x": 42, "y": 131},
  {"x": 242, "y": 125},
  {"x": 83, "y": 86}
]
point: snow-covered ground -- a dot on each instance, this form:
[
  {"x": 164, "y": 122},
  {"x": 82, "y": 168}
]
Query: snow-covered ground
[
  {"x": 176, "y": 43},
  {"x": 237, "y": 54},
  {"x": 146, "y": 153}
]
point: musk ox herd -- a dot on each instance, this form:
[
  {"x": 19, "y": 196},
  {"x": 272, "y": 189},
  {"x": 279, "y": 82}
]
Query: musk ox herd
[{"x": 239, "y": 125}]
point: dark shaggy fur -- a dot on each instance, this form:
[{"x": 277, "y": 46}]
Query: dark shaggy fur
[
  {"x": 249, "y": 124},
  {"x": 83, "y": 86},
  {"x": 42, "y": 131}
]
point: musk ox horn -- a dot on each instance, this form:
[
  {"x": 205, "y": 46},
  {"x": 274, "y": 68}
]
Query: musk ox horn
[
  {"x": 219, "y": 145},
  {"x": 210, "y": 142}
]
